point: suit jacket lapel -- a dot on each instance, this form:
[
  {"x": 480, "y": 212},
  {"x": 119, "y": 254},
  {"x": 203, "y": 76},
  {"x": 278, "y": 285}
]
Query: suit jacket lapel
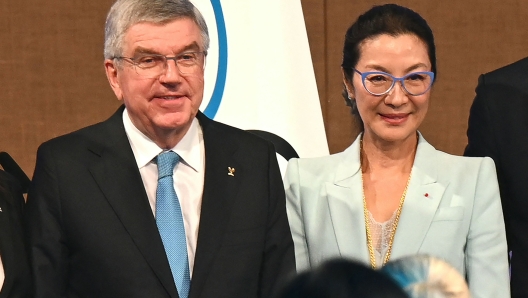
[
  {"x": 219, "y": 191},
  {"x": 116, "y": 172},
  {"x": 421, "y": 202},
  {"x": 345, "y": 202}
]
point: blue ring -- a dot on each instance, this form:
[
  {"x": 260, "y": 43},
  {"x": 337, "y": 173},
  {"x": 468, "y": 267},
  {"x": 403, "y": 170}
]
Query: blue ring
[{"x": 218, "y": 92}]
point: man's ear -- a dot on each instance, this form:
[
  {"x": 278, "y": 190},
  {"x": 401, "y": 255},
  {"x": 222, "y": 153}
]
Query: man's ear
[
  {"x": 112, "y": 75},
  {"x": 348, "y": 85}
]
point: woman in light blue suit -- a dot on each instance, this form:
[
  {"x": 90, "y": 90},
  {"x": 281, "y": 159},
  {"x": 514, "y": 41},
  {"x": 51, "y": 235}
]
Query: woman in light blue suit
[{"x": 392, "y": 194}]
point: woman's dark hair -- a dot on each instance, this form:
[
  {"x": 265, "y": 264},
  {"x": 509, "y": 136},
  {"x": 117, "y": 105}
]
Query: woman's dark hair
[
  {"x": 388, "y": 19},
  {"x": 341, "y": 278}
]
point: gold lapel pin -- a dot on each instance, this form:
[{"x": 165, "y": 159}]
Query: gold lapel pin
[{"x": 231, "y": 171}]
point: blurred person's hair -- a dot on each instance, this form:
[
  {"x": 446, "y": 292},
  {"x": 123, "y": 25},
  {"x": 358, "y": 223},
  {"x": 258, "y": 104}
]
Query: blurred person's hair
[
  {"x": 423, "y": 276},
  {"x": 340, "y": 278}
]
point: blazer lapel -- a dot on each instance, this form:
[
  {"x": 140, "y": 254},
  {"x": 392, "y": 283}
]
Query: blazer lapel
[
  {"x": 345, "y": 202},
  {"x": 116, "y": 172},
  {"x": 421, "y": 202},
  {"x": 219, "y": 191}
]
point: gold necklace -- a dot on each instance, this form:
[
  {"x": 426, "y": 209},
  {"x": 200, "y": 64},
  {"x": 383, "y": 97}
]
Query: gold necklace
[{"x": 367, "y": 224}]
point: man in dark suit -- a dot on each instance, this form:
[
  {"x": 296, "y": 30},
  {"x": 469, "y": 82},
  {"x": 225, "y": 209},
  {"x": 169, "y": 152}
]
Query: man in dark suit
[
  {"x": 94, "y": 217},
  {"x": 15, "y": 277},
  {"x": 498, "y": 126}
]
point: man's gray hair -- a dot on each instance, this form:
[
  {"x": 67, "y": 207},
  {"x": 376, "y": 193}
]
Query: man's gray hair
[{"x": 126, "y": 13}]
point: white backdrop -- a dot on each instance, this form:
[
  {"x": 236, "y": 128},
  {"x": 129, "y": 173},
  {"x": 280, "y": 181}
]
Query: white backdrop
[{"x": 259, "y": 72}]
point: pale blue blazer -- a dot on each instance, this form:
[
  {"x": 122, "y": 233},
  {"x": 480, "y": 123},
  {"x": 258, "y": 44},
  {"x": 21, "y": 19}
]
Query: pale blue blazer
[{"x": 452, "y": 211}]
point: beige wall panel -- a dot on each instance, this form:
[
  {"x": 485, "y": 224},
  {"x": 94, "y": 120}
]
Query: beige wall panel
[
  {"x": 314, "y": 16},
  {"x": 52, "y": 76}
]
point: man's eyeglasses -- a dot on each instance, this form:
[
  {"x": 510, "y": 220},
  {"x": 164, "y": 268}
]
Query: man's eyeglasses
[
  {"x": 153, "y": 65},
  {"x": 380, "y": 83}
]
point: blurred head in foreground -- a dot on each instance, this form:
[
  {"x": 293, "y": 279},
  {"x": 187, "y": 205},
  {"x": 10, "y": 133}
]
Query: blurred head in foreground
[
  {"x": 341, "y": 278},
  {"x": 424, "y": 276}
]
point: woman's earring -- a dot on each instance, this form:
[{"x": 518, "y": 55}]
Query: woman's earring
[{"x": 348, "y": 93}]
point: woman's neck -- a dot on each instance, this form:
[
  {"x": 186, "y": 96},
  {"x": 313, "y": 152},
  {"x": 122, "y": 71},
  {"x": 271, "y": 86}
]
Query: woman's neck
[{"x": 379, "y": 155}]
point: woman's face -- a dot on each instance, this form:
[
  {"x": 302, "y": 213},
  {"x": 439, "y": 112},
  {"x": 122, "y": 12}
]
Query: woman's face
[{"x": 396, "y": 115}]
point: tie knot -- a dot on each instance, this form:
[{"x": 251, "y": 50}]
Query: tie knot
[{"x": 166, "y": 162}]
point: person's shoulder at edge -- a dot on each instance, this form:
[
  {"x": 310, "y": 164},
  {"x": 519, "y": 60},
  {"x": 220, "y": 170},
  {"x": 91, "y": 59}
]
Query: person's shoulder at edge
[
  {"x": 93, "y": 134},
  {"x": 505, "y": 74}
]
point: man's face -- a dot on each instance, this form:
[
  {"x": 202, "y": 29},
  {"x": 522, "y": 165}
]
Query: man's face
[{"x": 165, "y": 104}]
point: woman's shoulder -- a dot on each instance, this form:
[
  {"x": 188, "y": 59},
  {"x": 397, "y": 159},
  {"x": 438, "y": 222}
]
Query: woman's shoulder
[
  {"x": 454, "y": 169},
  {"x": 311, "y": 172},
  {"x": 464, "y": 161},
  {"x": 320, "y": 163},
  {"x": 464, "y": 170},
  {"x": 451, "y": 161}
]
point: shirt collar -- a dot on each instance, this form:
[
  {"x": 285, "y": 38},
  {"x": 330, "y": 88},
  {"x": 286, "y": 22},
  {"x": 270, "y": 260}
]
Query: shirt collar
[{"x": 145, "y": 150}]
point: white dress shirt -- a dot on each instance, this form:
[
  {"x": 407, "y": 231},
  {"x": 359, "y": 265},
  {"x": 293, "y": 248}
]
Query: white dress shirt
[{"x": 188, "y": 174}]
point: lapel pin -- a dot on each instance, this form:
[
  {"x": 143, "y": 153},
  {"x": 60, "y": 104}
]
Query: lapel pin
[
  {"x": 426, "y": 195},
  {"x": 231, "y": 171}
]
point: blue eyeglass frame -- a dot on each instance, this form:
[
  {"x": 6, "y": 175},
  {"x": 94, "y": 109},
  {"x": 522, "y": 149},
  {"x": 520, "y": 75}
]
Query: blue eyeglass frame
[{"x": 394, "y": 80}]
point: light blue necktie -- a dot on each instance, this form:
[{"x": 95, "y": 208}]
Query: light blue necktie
[{"x": 169, "y": 219}]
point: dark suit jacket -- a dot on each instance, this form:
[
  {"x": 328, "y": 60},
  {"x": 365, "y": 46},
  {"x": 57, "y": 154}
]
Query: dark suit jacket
[
  {"x": 92, "y": 232},
  {"x": 498, "y": 127},
  {"x": 17, "y": 281}
]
